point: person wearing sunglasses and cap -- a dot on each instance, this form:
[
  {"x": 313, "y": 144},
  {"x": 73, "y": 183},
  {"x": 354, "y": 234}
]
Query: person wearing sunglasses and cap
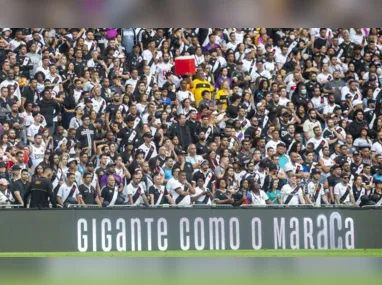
[{"x": 343, "y": 193}]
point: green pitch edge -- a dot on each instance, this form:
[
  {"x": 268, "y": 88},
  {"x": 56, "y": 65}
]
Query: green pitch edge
[{"x": 222, "y": 253}]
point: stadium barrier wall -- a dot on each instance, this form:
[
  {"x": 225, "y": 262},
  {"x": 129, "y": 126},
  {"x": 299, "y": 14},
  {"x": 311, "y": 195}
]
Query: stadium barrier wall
[{"x": 188, "y": 229}]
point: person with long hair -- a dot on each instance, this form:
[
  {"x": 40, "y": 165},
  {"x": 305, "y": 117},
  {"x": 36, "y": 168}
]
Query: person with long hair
[
  {"x": 213, "y": 160},
  {"x": 275, "y": 194},
  {"x": 232, "y": 183},
  {"x": 295, "y": 147},
  {"x": 223, "y": 77},
  {"x": 223, "y": 93},
  {"x": 263, "y": 88},
  {"x": 39, "y": 170},
  {"x": 222, "y": 196}
]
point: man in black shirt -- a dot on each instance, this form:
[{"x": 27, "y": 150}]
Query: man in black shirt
[
  {"x": 333, "y": 179},
  {"x": 49, "y": 108},
  {"x": 110, "y": 193},
  {"x": 24, "y": 61},
  {"x": 234, "y": 107},
  {"x": 41, "y": 191},
  {"x": 79, "y": 63},
  {"x": 201, "y": 145},
  {"x": 85, "y": 135},
  {"x": 128, "y": 134},
  {"x": 343, "y": 155},
  {"x": 320, "y": 41},
  {"x": 88, "y": 192},
  {"x": 4, "y": 71},
  {"x": 19, "y": 187},
  {"x": 184, "y": 165}
]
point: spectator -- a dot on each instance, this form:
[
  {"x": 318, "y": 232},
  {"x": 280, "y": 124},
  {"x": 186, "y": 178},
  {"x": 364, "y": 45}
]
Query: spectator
[{"x": 75, "y": 105}]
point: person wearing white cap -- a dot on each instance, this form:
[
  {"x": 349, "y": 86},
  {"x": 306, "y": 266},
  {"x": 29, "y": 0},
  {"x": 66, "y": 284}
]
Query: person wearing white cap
[
  {"x": 6, "y": 196},
  {"x": 249, "y": 62}
]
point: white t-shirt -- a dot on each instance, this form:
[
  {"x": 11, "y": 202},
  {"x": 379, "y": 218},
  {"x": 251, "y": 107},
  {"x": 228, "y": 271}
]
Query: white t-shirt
[
  {"x": 33, "y": 130},
  {"x": 147, "y": 149},
  {"x": 37, "y": 155},
  {"x": 65, "y": 190},
  {"x": 162, "y": 68},
  {"x": 132, "y": 190},
  {"x": 181, "y": 95},
  {"x": 294, "y": 168},
  {"x": 318, "y": 142},
  {"x": 259, "y": 199},
  {"x": 201, "y": 198},
  {"x": 272, "y": 144},
  {"x": 312, "y": 188},
  {"x": 377, "y": 147},
  {"x": 340, "y": 190},
  {"x": 147, "y": 55},
  {"x": 286, "y": 190}
]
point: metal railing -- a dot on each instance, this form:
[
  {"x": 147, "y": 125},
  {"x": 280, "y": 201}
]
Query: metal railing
[
  {"x": 202, "y": 206},
  {"x": 11, "y": 206}
]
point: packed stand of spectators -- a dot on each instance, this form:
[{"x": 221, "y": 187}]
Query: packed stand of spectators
[{"x": 270, "y": 116}]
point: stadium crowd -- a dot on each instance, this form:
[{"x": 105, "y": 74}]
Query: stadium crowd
[{"x": 270, "y": 116}]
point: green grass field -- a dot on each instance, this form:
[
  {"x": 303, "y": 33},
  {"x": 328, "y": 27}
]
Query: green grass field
[{"x": 222, "y": 253}]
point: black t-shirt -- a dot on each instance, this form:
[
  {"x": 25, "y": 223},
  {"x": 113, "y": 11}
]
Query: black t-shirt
[
  {"x": 187, "y": 168},
  {"x": 340, "y": 159},
  {"x": 153, "y": 190},
  {"x": 232, "y": 111},
  {"x": 333, "y": 180},
  {"x": 354, "y": 168},
  {"x": 201, "y": 149},
  {"x": 89, "y": 194},
  {"x": 112, "y": 109},
  {"x": 200, "y": 174},
  {"x": 85, "y": 136},
  {"x": 21, "y": 187},
  {"x": 107, "y": 193},
  {"x": 219, "y": 195},
  {"x": 79, "y": 67},
  {"x": 318, "y": 43}
]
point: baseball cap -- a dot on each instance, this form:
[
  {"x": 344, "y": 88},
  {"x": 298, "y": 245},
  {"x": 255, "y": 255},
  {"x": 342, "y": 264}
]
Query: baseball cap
[
  {"x": 130, "y": 118},
  {"x": 88, "y": 100},
  {"x": 259, "y": 104},
  {"x": 6, "y": 30},
  {"x": 285, "y": 114},
  {"x": 315, "y": 171},
  {"x": 3, "y": 181},
  {"x": 16, "y": 167},
  {"x": 357, "y": 102},
  {"x": 72, "y": 160},
  {"x": 89, "y": 164},
  {"x": 139, "y": 151},
  {"x": 247, "y": 51},
  {"x": 181, "y": 152},
  {"x": 111, "y": 164},
  {"x": 356, "y": 153},
  {"x": 99, "y": 120},
  {"x": 336, "y": 166}
]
